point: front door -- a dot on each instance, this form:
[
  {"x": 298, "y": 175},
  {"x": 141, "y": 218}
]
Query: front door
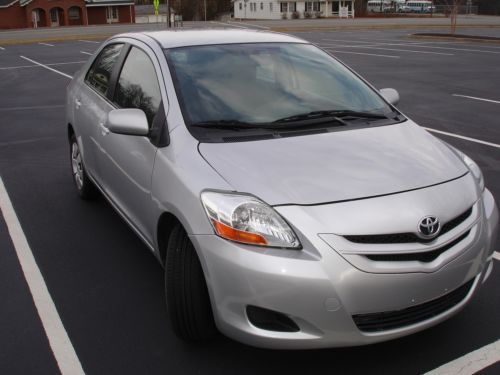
[
  {"x": 125, "y": 161},
  {"x": 91, "y": 105},
  {"x": 54, "y": 17}
]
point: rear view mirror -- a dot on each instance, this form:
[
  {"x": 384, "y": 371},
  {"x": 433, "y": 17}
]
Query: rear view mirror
[
  {"x": 128, "y": 121},
  {"x": 391, "y": 95}
]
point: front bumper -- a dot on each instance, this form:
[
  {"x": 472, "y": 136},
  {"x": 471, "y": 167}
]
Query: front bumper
[{"x": 321, "y": 291}]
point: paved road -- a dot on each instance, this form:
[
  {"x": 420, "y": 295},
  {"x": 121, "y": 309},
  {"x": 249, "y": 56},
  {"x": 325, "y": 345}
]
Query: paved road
[{"x": 107, "y": 287}]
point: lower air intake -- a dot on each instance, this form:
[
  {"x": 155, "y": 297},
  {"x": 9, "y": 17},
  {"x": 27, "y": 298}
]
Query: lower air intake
[
  {"x": 383, "y": 321},
  {"x": 270, "y": 320}
]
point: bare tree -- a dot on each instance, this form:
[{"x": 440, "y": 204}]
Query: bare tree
[{"x": 453, "y": 7}]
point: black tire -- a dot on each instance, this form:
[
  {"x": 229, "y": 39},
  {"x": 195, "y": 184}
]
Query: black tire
[
  {"x": 84, "y": 185},
  {"x": 188, "y": 302}
]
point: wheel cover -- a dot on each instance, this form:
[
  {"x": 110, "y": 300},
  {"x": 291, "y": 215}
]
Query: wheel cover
[{"x": 76, "y": 165}]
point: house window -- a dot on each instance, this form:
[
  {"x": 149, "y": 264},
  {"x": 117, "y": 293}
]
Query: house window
[
  {"x": 312, "y": 6},
  {"x": 284, "y": 7},
  {"x": 261, "y": 6},
  {"x": 270, "y": 7},
  {"x": 240, "y": 6},
  {"x": 112, "y": 14},
  {"x": 292, "y": 6},
  {"x": 74, "y": 13}
]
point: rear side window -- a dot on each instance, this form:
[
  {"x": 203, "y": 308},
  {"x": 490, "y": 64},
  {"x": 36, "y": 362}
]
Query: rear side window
[
  {"x": 99, "y": 73},
  {"x": 138, "y": 85}
]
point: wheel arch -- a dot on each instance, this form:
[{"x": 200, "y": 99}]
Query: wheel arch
[
  {"x": 166, "y": 224},
  {"x": 71, "y": 131}
]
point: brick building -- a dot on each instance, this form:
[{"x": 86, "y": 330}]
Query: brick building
[{"x": 16, "y": 14}]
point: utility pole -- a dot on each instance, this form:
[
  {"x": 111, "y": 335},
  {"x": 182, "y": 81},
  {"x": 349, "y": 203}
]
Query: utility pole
[
  {"x": 168, "y": 14},
  {"x": 205, "y": 2}
]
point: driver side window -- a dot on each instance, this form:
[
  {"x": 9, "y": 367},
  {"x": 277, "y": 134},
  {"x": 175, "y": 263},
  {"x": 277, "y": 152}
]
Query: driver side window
[{"x": 138, "y": 85}]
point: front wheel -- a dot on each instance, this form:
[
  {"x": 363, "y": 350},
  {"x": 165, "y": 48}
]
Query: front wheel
[
  {"x": 188, "y": 302},
  {"x": 85, "y": 187}
]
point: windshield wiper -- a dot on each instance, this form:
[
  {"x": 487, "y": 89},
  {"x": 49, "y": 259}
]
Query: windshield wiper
[
  {"x": 337, "y": 115},
  {"x": 276, "y": 125},
  {"x": 227, "y": 124}
]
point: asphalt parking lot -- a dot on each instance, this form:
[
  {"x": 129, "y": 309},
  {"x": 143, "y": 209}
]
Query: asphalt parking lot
[{"x": 108, "y": 288}]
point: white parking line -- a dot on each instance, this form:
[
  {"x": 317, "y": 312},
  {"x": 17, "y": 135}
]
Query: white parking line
[
  {"x": 365, "y": 41},
  {"x": 86, "y": 53},
  {"x": 228, "y": 24},
  {"x": 250, "y": 24},
  {"x": 463, "y": 137},
  {"x": 46, "y": 67},
  {"x": 88, "y": 41},
  {"x": 476, "y": 98},
  {"x": 390, "y": 49},
  {"x": 46, "y": 44},
  {"x": 38, "y": 66},
  {"x": 36, "y": 107},
  {"x": 471, "y": 363},
  {"x": 59, "y": 342},
  {"x": 414, "y": 44},
  {"x": 361, "y": 53},
  {"x": 461, "y": 49},
  {"x": 496, "y": 255}
]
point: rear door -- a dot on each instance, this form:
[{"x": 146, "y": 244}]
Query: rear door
[
  {"x": 91, "y": 104},
  {"x": 126, "y": 162}
]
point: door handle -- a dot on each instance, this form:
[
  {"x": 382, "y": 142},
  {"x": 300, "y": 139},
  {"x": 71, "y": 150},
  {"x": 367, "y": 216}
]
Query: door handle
[
  {"x": 78, "y": 103},
  {"x": 104, "y": 129}
]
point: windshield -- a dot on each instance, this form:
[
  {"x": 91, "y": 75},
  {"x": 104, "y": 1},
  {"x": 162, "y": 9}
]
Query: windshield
[{"x": 264, "y": 83}]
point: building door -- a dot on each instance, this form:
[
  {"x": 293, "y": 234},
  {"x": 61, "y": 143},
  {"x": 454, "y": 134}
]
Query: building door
[
  {"x": 35, "y": 17},
  {"x": 54, "y": 17},
  {"x": 111, "y": 14}
]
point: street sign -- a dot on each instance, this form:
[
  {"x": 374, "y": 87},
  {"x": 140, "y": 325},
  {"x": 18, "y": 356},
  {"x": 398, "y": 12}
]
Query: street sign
[{"x": 156, "y": 4}]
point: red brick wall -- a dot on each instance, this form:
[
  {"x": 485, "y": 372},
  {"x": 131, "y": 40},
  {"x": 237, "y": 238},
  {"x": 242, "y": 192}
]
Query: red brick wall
[
  {"x": 20, "y": 17},
  {"x": 13, "y": 17},
  {"x": 48, "y": 5}
]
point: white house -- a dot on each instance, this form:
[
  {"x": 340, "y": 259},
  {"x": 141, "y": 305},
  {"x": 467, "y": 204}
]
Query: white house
[{"x": 272, "y": 9}]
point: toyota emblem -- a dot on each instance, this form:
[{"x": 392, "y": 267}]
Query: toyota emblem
[{"x": 429, "y": 227}]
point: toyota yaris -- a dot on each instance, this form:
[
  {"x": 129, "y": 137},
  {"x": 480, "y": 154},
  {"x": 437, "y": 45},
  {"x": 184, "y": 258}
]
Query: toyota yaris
[{"x": 291, "y": 203}]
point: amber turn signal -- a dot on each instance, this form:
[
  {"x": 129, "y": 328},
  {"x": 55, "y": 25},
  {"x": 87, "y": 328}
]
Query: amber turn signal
[{"x": 238, "y": 235}]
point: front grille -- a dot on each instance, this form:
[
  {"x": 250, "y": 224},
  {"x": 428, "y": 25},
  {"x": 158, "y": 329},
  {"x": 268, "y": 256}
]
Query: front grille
[
  {"x": 407, "y": 237},
  {"x": 375, "y": 322},
  {"x": 425, "y": 257}
]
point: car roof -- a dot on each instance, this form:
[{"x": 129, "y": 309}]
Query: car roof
[{"x": 192, "y": 37}]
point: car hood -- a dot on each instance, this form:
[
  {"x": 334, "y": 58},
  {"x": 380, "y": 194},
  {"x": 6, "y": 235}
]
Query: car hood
[{"x": 336, "y": 166}]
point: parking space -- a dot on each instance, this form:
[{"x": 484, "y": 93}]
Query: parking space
[{"x": 108, "y": 288}]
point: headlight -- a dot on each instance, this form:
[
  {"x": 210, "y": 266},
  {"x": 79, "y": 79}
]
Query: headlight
[
  {"x": 473, "y": 167},
  {"x": 246, "y": 219}
]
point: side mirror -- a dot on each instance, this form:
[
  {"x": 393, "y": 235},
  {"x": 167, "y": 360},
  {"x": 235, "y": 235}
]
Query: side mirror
[
  {"x": 128, "y": 121},
  {"x": 391, "y": 95}
]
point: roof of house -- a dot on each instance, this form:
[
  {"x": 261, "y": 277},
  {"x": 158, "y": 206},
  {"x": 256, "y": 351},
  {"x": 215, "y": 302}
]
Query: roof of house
[{"x": 7, "y": 3}]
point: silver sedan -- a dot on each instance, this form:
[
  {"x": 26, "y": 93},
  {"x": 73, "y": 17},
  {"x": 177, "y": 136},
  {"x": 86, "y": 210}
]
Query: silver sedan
[{"x": 291, "y": 203}]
